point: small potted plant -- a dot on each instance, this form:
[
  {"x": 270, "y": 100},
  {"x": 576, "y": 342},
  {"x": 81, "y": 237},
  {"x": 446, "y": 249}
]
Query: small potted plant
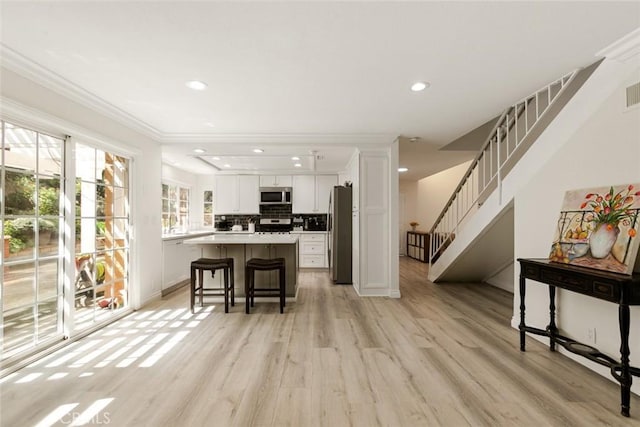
[{"x": 413, "y": 225}]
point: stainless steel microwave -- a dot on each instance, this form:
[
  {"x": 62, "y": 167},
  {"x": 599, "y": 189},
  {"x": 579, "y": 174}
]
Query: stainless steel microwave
[{"x": 275, "y": 195}]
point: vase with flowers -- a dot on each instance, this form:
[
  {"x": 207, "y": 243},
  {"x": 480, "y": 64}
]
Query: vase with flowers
[
  {"x": 609, "y": 210},
  {"x": 413, "y": 225}
]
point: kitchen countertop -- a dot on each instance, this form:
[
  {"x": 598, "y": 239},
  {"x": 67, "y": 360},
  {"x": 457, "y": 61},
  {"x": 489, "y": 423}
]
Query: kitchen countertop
[
  {"x": 187, "y": 235},
  {"x": 308, "y": 231},
  {"x": 244, "y": 239}
]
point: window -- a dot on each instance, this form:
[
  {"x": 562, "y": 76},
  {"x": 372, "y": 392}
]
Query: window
[
  {"x": 31, "y": 223},
  {"x": 175, "y": 208},
  {"x": 208, "y": 209}
]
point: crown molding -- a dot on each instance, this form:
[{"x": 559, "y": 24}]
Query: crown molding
[
  {"x": 33, "y": 71},
  {"x": 25, "y": 67},
  {"x": 298, "y": 139},
  {"x": 624, "y": 48},
  {"x": 23, "y": 115}
]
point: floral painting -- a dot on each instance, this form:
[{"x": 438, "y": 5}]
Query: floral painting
[{"x": 598, "y": 228}]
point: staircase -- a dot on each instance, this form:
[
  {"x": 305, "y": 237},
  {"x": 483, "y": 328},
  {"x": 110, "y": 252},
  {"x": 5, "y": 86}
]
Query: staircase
[{"x": 477, "y": 221}]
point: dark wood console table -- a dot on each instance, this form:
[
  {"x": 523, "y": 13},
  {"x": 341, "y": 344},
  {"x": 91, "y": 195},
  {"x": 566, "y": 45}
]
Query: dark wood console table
[{"x": 621, "y": 289}]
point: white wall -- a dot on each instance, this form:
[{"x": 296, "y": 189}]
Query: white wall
[
  {"x": 605, "y": 150},
  {"x": 434, "y": 192},
  {"x": 51, "y": 111},
  {"x": 504, "y": 279}
]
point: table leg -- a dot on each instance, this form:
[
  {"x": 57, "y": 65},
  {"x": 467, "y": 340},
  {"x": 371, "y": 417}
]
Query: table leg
[
  {"x": 552, "y": 316},
  {"x": 521, "y": 326},
  {"x": 625, "y": 373}
]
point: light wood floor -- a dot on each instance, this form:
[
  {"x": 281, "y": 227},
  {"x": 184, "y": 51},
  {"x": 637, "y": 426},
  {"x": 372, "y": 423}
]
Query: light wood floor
[{"x": 440, "y": 355}]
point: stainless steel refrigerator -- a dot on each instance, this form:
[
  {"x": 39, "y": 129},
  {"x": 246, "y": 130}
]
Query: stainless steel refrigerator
[{"x": 339, "y": 228}]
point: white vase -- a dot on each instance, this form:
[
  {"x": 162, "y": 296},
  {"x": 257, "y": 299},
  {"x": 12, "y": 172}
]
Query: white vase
[{"x": 602, "y": 240}]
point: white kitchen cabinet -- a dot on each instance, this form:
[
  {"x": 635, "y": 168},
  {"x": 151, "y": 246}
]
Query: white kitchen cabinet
[
  {"x": 303, "y": 194},
  {"x": 311, "y": 193},
  {"x": 324, "y": 186},
  {"x": 237, "y": 194},
  {"x": 312, "y": 248},
  {"x": 276, "y": 181},
  {"x": 176, "y": 261},
  {"x": 248, "y": 194},
  {"x": 353, "y": 171}
]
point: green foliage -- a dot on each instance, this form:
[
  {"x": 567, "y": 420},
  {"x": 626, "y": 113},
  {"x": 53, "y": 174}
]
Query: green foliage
[
  {"x": 100, "y": 228},
  {"x": 21, "y": 231},
  {"x": 49, "y": 201}
]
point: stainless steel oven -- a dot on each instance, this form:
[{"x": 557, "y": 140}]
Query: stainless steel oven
[{"x": 275, "y": 195}]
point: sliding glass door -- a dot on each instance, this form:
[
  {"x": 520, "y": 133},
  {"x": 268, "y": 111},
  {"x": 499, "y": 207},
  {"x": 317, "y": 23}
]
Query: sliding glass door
[
  {"x": 33, "y": 228},
  {"x": 102, "y": 235},
  {"x": 31, "y": 218}
]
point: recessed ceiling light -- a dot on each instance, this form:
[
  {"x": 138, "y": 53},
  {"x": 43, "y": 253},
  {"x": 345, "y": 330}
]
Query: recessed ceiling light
[
  {"x": 198, "y": 150},
  {"x": 196, "y": 85},
  {"x": 227, "y": 165},
  {"x": 176, "y": 164},
  {"x": 402, "y": 169},
  {"x": 295, "y": 158},
  {"x": 210, "y": 124},
  {"x": 298, "y": 165},
  {"x": 419, "y": 86},
  {"x": 215, "y": 158},
  {"x": 258, "y": 150},
  {"x": 414, "y": 139}
]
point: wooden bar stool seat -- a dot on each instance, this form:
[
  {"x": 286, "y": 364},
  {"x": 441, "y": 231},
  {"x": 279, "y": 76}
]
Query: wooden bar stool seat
[
  {"x": 212, "y": 264},
  {"x": 260, "y": 264}
]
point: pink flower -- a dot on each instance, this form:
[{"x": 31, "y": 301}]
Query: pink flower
[
  {"x": 584, "y": 205},
  {"x": 588, "y": 196},
  {"x": 607, "y": 197},
  {"x": 630, "y": 187},
  {"x": 607, "y": 210}
]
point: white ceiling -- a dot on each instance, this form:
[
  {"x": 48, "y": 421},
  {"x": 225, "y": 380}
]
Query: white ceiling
[{"x": 309, "y": 76}]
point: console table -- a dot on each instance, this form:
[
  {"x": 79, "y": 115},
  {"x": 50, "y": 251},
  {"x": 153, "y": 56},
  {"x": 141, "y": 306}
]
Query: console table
[{"x": 621, "y": 289}]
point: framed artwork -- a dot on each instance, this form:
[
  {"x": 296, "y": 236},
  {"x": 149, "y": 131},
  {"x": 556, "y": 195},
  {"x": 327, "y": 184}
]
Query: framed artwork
[{"x": 598, "y": 228}]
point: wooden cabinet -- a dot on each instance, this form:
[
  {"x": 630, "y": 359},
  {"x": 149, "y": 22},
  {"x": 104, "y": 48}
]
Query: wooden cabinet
[
  {"x": 225, "y": 251},
  {"x": 418, "y": 245},
  {"x": 312, "y": 249},
  {"x": 237, "y": 194},
  {"x": 270, "y": 279},
  {"x": 311, "y": 193},
  {"x": 276, "y": 181}
]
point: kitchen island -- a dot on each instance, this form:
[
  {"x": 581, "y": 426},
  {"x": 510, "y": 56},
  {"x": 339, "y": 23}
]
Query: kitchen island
[{"x": 242, "y": 247}]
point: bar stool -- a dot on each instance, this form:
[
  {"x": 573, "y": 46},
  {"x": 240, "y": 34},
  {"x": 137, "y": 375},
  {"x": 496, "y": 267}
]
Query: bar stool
[
  {"x": 260, "y": 264},
  {"x": 212, "y": 264}
]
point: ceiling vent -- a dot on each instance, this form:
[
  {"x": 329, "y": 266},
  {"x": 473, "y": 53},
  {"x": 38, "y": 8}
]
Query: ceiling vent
[{"x": 633, "y": 95}]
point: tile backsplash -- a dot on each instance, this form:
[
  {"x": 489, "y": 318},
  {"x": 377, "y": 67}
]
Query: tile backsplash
[{"x": 271, "y": 212}]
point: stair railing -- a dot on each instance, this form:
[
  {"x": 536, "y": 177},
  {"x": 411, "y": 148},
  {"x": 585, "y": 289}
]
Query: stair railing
[{"x": 493, "y": 162}]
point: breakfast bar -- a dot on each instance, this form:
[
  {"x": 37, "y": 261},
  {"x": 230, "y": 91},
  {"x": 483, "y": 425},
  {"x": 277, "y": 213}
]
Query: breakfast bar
[{"x": 242, "y": 247}]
